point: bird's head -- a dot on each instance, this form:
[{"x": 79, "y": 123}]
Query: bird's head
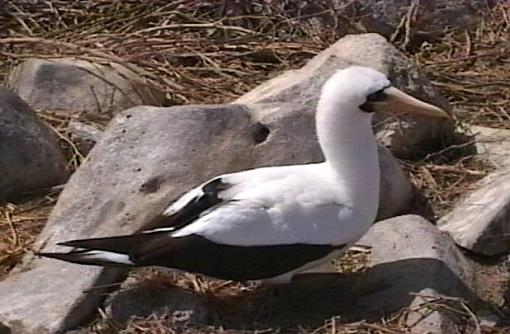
[{"x": 358, "y": 89}]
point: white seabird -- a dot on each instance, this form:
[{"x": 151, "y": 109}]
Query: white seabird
[{"x": 272, "y": 223}]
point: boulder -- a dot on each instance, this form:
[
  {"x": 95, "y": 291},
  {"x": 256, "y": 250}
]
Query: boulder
[
  {"x": 146, "y": 297},
  {"x": 411, "y": 261},
  {"x": 31, "y": 157},
  {"x": 145, "y": 159},
  {"x": 480, "y": 221},
  {"x": 74, "y": 86},
  {"x": 405, "y": 137}
]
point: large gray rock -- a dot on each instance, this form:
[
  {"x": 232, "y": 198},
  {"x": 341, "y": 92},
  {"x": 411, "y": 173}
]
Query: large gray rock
[
  {"x": 480, "y": 222},
  {"x": 409, "y": 255},
  {"x": 145, "y": 159},
  {"x": 406, "y": 136},
  {"x": 72, "y": 85},
  {"x": 31, "y": 157}
]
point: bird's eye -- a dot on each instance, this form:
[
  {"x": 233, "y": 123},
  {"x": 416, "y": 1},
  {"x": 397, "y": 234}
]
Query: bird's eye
[
  {"x": 375, "y": 97},
  {"x": 378, "y": 96}
]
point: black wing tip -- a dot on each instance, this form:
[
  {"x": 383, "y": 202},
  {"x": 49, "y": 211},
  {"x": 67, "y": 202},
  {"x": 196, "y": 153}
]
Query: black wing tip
[
  {"x": 63, "y": 243},
  {"x": 58, "y": 256},
  {"x": 72, "y": 243},
  {"x": 42, "y": 254},
  {"x": 95, "y": 243}
]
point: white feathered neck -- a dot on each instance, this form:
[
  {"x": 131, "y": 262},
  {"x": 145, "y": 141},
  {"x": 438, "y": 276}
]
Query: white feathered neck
[{"x": 349, "y": 144}]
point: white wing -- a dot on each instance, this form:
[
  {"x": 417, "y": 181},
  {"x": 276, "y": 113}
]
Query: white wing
[{"x": 276, "y": 206}]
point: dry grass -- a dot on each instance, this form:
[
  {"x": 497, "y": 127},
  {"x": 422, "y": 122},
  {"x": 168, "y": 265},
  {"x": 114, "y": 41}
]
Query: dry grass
[
  {"x": 441, "y": 183},
  {"x": 20, "y": 223},
  {"x": 236, "y": 309},
  {"x": 196, "y": 53},
  {"x": 471, "y": 69}
]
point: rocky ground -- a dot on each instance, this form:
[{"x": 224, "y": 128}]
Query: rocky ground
[{"x": 103, "y": 123}]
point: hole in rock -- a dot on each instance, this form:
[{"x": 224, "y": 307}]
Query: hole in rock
[{"x": 260, "y": 133}]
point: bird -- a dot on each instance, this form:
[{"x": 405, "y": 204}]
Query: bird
[{"x": 274, "y": 223}]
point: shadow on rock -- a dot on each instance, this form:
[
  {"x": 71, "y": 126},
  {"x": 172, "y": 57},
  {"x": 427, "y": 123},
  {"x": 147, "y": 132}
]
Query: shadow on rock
[{"x": 376, "y": 293}]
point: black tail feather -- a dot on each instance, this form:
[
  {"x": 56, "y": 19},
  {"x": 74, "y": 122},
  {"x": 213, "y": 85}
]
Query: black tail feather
[
  {"x": 122, "y": 244},
  {"x": 112, "y": 251}
]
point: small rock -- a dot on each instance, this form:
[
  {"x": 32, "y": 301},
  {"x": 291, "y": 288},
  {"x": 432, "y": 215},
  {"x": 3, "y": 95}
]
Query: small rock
[
  {"x": 424, "y": 319},
  {"x": 481, "y": 221},
  {"x": 72, "y": 85},
  {"x": 84, "y": 135},
  {"x": 406, "y": 136},
  {"x": 145, "y": 159},
  {"x": 4, "y": 329},
  {"x": 80, "y": 331},
  {"x": 31, "y": 157},
  {"x": 411, "y": 256},
  {"x": 489, "y": 320},
  {"x": 146, "y": 298}
]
